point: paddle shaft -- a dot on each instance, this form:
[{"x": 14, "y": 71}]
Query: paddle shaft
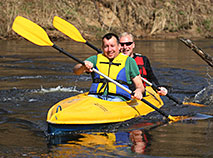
[
  {"x": 108, "y": 78},
  {"x": 30, "y": 31},
  {"x": 96, "y": 71},
  {"x": 156, "y": 88},
  {"x": 72, "y": 32},
  {"x": 93, "y": 47},
  {"x": 68, "y": 54},
  {"x": 154, "y": 107},
  {"x": 149, "y": 83}
]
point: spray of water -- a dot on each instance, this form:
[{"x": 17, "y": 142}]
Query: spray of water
[
  {"x": 58, "y": 89},
  {"x": 205, "y": 96}
]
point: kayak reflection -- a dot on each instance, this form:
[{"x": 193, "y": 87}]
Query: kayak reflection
[{"x": 102, "y": 142}]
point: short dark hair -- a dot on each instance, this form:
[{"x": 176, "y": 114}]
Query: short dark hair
[{"x": 109, "y": 36}]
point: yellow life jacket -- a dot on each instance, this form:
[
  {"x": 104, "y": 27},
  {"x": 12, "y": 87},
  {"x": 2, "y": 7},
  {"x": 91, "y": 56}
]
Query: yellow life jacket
[{"x": 116, "y": 71}]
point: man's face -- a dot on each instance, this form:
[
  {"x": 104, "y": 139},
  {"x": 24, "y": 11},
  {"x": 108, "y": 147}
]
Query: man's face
[
  {"x": 127, "y": 45},
  {"x": 110, "y": 47}
]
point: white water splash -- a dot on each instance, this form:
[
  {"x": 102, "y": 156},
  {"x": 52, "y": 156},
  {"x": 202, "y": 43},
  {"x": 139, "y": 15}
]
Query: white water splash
[
  {"x": 58, "y": 89},
  {"x": 206, "y": 94},
  {"x": 29, "y": 77}
]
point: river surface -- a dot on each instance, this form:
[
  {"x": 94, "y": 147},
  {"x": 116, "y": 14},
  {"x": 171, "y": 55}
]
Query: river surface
[{"x": 34, "y": 78}]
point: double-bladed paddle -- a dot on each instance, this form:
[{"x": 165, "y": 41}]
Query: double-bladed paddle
[
  {"x": 69, "y": 29},
  {"x": 38, "y": 36},
  {"x": 72, "y": 32}
]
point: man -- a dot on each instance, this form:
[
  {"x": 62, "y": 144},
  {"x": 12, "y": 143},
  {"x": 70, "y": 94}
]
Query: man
[
  {"x": 127, "y": 46},
  {"x": 117, "y": 66}
]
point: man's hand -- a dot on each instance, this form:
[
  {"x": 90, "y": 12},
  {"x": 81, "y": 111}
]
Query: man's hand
[
  {"x": 162, "y": 91},
  {"x": 88, "y": 66},
  {"x": 138, "y": 94},
  {"x": 79, "y": 68}
]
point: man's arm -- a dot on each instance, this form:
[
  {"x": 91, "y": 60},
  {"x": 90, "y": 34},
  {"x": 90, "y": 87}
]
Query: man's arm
[
  {"x": 79, "y": 68},
  {"x": 87, "y": 67},
  {"x": 151, "y": 76},
  {"x": 138, "y": 93},
  {"x": 136, "y": 79}
]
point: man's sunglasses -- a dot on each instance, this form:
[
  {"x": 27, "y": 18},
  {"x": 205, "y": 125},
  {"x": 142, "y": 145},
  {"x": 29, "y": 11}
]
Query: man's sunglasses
[{"x": 126, "y": 43}]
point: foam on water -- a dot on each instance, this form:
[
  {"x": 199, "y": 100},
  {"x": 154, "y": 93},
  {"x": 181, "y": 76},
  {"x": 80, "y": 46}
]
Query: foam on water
[
  {"x": 58, "y": 89},
  {"x": 205, "y": 95},
  {"x": 29, "y": 77}
]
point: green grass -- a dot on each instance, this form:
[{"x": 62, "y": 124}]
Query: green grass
[{"x": 207, "y": 24}]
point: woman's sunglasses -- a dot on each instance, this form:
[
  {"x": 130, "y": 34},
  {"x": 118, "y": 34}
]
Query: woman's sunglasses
[{"x": 126, "y": 43}]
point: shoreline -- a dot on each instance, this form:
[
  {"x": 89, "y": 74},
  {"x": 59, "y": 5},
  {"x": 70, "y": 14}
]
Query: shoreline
[
  {"x": 148, "y": 20},
  {"x": 58, "y": 36}
]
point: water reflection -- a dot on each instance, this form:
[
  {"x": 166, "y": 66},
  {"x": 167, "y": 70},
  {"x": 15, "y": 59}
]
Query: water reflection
[
  {"x": 34, "y": 78},
  {"x": 134, "y": 138},
  {"x": 111, "y": 143},
  {"x": 126, "y": 142}
]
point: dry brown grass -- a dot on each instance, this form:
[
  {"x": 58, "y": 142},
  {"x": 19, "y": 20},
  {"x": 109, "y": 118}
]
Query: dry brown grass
[{"x": 145, "y": 19}]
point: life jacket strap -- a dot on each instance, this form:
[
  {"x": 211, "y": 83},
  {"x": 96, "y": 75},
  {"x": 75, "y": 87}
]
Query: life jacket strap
[
  {"x": 111, "y": 63},
  {"x": 99, "y": 80}
]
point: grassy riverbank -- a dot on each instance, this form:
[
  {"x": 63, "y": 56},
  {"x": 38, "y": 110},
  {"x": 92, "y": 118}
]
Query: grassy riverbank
[{"x": 152, "y": 19}]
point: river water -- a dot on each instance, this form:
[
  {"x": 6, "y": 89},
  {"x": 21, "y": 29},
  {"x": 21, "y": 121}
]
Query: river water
[{"x": 34, "y": 78}]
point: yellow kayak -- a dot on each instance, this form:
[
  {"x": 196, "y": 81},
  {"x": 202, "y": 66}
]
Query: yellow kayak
[{"x": 85, "y": 110}]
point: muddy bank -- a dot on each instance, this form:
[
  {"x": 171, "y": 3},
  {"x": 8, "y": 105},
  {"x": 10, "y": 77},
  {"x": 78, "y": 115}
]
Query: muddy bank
[{"x": 148, "y": 19}]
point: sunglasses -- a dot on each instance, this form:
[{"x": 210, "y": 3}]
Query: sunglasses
[{"x": 126, "y": 43}]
